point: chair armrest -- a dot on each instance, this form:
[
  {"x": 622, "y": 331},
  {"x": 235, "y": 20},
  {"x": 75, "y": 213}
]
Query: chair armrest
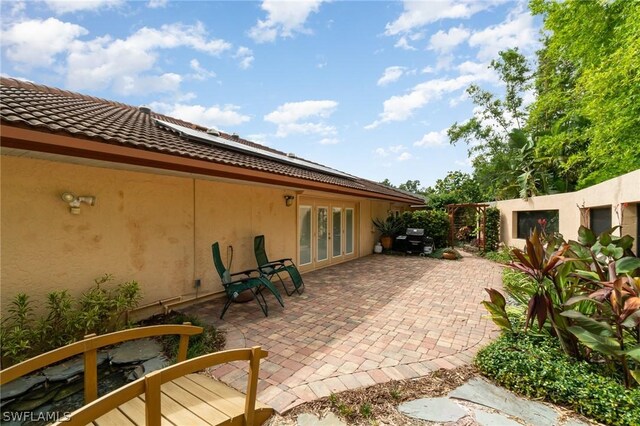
[
  {"x": 271, "y": 264},
  {"x": 248, "y": 272}
]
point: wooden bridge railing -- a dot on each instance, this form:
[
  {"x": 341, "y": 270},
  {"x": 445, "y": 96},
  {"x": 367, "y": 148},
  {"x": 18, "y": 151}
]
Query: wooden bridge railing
[
  {"x": 89, "y": 347},
  {"x": 151, "y": 383}
]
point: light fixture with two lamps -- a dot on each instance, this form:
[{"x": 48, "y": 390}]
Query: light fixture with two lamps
[{"x": 74, "y": 202}]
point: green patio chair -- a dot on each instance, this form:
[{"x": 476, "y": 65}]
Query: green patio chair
[
  {"x": 269, "y": 269},
  {"x": 253, "y": 281}
]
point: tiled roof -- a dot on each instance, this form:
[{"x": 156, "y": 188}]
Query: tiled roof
[{"x": 30, "y": 105}]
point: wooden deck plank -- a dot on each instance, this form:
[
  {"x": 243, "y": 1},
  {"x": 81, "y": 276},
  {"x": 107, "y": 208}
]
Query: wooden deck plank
[
  {"x": 178, "y": 414},
  {"x": 134, "y": 409},
  {"x": 113, "y": 418},
  {"x": 197, "y": 404},
  {"x": 228, "y": 407},
  {"x": 228, "y": 398},
  {"x": 226, "y": 392}
]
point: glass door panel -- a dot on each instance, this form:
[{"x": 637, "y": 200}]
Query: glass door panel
[
  {"x": 348, "y": 241},
  {"x": 304, "y": 228},
  {"x": 336, "y": 220},
  {"x": 322, "y": 241}
]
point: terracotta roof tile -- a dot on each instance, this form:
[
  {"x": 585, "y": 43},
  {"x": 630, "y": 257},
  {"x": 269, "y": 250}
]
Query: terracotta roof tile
[{"x": 55, "y": 110}]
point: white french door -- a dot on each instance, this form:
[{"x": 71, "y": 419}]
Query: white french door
[{"x": 327, "y": 232}]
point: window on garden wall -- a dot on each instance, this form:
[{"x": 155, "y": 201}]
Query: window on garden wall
[
  {"x": 546, "y": 220},
  {"x": 600, "y": 219}
]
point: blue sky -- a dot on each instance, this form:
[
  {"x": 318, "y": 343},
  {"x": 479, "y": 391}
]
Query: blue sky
[{"x": 369, "y": 88}]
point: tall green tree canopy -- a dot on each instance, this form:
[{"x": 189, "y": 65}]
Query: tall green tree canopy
[
  {"x": 498, "y": 139},
  {"x": 586, "y": 118}
]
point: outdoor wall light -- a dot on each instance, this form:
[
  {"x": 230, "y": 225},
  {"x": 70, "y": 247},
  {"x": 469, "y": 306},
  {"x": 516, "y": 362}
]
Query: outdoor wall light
[
  {"x": 74, "y": 202},
  {"x": 288, "y": 200}
]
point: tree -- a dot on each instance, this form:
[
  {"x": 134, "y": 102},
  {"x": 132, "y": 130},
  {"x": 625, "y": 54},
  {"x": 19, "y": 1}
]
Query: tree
[
  {"x": 498, "y": 140},
  {"x": 586, "y": 119},
  {"x": 412, "y": 186},
  {"x": 455, "y": 188}
]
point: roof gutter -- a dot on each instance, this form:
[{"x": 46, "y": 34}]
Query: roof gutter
[{"x": 55, "y": 143}]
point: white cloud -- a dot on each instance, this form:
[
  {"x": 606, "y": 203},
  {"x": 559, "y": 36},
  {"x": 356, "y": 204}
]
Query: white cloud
[
  {"x": 394, "y": 149},
  {"x": 417, "y": 14},
  {"x": 200, "y": 73},
  {"x": 403, "y": 43},
  {"x": 402, "y": 107},
  {"x": 68, "y": 6},
  {"x": 35, "y": 43},
  {"x": 329, "y": 141},
  {"x": 404, "y": 156},
  {"x": 284, "y": 18},
  {"x": 427, "y": 70},
  {"x": 438, "y": 138},
  {"x": 466, "y": 163},
  {"x": 245, "y": 55},
  {"x": 214, "y": 116},
  {"x": 293, "y": 117},
  {"x": 126, "y": 65},
  {"x": 518, "y": 30},
  {"x": 397, "y": 148},
  {"x": 168, "y": 82},
  {"x": 445, "y": 41},
  {"x": 157, "y": 4},
  {"x": 390, "y": 75},
  {"x": 105, "y": 62}
]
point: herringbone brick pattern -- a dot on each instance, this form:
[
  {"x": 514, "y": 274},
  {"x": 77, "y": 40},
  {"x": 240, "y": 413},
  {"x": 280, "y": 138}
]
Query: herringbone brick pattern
[{"x": 368, "y": 321}]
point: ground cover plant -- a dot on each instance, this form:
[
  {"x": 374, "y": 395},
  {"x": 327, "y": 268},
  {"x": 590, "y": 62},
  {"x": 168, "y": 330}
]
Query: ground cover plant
[
  {"x": 101, "y": 309},
  {"x": 535, "y": 366},
  {"x": 584, "y": 297}
]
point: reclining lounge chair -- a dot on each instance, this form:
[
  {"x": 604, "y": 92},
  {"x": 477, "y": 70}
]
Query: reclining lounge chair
[
  {"x": 269, "y": 269},
  {"x": 252, "y": 280}
]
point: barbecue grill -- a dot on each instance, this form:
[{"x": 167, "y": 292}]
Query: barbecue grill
[{"x": 413, "y": 241}]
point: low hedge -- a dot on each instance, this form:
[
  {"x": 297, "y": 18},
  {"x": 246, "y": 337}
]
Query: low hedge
[{"x": 536, "y": 367}]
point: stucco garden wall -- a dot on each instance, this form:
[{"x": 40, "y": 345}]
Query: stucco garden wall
[
  {"x": 153, "y": 228},
  {"x": 621, "y": 193}
]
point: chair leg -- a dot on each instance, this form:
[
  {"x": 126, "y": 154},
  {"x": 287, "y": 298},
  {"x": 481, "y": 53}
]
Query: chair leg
[
  {"x": 226, "y": 306},
  {"x": 286, "y": 290},
  {"x": 257, "y": 294}
]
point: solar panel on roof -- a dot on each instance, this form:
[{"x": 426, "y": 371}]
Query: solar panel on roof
[{"x": 213, "y": 140}]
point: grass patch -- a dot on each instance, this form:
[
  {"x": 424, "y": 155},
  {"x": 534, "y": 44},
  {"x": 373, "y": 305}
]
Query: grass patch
[{"x": 210, "y": 340}]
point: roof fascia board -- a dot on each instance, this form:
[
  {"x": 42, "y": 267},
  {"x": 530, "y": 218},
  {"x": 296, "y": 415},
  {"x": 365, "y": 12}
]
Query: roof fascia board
[{"x": 22, "y": 138}]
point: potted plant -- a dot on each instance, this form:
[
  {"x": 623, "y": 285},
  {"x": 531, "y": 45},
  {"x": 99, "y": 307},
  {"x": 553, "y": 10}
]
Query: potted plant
[
  {"x": 450, "y": 254},
  {"x": 389, "y": 228}
]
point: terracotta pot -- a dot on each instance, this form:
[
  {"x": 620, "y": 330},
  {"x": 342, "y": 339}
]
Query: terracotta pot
[
  {"x": 449, "y": 256},
  {"x": 387, "y": 242},
  {"x": 244, "y": 297}
]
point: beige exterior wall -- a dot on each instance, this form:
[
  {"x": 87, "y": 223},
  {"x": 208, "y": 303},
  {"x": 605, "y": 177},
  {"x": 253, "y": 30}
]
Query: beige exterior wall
[
  {"x": 156, "y": 229},
  {"x": 621, "y": 193}
]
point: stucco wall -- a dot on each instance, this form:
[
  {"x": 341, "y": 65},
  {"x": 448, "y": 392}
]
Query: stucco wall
[
  {"x": 614, "y": 192},
  {"x": 156, "y": 229}
]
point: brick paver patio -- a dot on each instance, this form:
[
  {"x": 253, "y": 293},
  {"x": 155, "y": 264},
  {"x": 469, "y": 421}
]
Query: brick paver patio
[{"x": 368, "y": 321}]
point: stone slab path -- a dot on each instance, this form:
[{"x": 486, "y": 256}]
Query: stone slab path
[
  {"x": 371, "y": 320},
  {"x": 479, "y": 402}
]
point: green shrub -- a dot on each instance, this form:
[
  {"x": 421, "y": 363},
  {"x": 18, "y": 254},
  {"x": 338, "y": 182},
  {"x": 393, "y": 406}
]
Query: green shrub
[
  {"x": 518, "y": 285},
  {"x": 434, "y": 222},
  {"x": 492, "y": 229},
  {"x": 99, "y": 310},
  {"x": 501, "y": 255},
  {"x": 536, "y": 367}
]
